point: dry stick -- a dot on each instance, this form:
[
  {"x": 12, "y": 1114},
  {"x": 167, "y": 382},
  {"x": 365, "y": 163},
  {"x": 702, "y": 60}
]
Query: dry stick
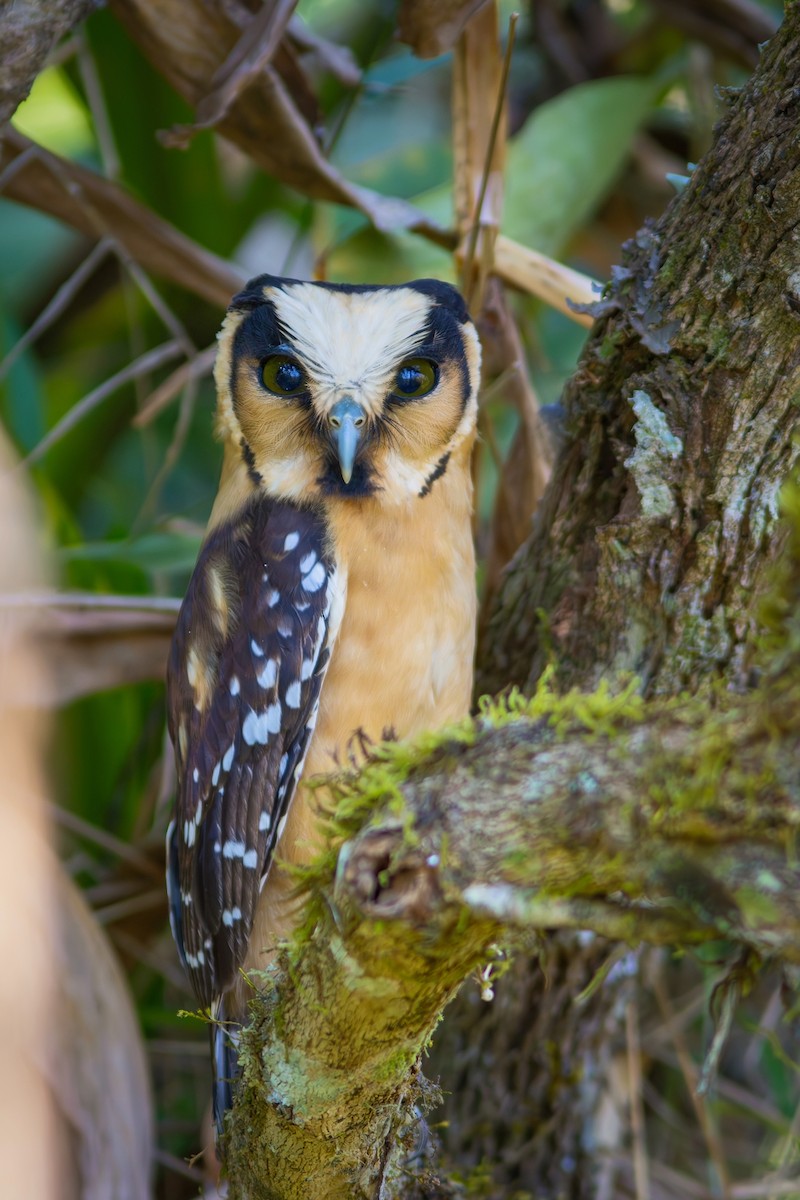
[
  {"x": 486, "y": 428},
  {"x": 91, "y": 600},
  {"x": 157, "y": 302},
  {"x": 786, "y": 1157},
  {"x": 196, "y": 368},
  {"x": 249, "y": 56},
  {"x": 85, "y": 829},
  {"x": 177, "y": 442},
  {"x": 17, "y": 164},
  {"x": 98, "y": 108},
  {"x": 683, "y": 1185},
  {"x": 152, "y": 959},
  {"x": 146, "y": 362},
  {"x": 689, "y": 1072},
  {"x": 765, "y": 1191},
  {"x": 137, "y": 274},
  {"x": 487, "y": 165},
  {"x": 171, "y": 1162},
  {"x": 153, "y": 898},
  {"x": 59, "y": 303},
  {"x": 640, "y": 1170}
]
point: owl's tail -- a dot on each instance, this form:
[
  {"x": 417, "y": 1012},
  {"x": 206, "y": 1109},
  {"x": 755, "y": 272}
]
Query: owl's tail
[{"x": 224, "y": 1062}]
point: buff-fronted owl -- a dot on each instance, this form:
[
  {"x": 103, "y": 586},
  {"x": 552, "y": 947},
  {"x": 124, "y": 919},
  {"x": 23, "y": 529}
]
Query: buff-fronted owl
[{"x": 333, "y": 598}]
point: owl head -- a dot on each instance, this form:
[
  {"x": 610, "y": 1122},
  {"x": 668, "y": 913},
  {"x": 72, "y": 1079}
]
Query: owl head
[{"x": 346, "y": 391}]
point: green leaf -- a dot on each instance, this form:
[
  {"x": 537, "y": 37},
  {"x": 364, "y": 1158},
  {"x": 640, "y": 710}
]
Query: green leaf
[
  {"x": 164, "y": 551},
  {"x": 55, "y": 116},
  {"x": 567, "y": 155}
]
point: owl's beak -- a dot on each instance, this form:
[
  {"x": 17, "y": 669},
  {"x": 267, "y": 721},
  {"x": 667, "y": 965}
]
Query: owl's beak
[{"x": 346, "y": 420}]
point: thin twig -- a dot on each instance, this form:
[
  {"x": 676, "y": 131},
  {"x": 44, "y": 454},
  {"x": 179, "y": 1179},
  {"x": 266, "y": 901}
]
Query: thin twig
[
  {"x": 197, "y": 367},
  {"x": 153, "y": 898},
  {"x": 101, "y": 837},
  {"x": 146, "y": 362},
  {"x": 487, "y": 164},
  {"x": 640, "y": 1169},
  {"x": 170, "y": 970},
  {"x": 172, "y": 1163},
  {"x": 177, "y": 442},
  {"x": 690, "y": 1075},
  {"x": 157, "y": 302},
  {"x": 90, "y": 600},
  {"x": 16, "y": 165},
  {"x": 98, "y": 108},
  {"x": 59, "y": 303}
]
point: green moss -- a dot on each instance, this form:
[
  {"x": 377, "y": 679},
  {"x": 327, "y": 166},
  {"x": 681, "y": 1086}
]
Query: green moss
[
  {"x": 600, "y": 713},
  {"x": 347, "y": 801}
]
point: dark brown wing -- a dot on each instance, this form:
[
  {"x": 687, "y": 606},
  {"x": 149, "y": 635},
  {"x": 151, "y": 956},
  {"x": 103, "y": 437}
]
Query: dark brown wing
[{"x": 247, "y": 664}]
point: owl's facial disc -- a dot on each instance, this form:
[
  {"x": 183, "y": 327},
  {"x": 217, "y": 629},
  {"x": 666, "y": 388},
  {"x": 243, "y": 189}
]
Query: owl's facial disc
[{"x": 351, "y": 392}]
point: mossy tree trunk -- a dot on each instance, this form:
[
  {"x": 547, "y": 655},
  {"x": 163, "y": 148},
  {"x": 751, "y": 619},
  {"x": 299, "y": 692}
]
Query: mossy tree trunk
[{"x": 650, "y": 555}]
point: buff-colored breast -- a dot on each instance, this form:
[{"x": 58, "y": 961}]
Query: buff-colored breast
[{"x": 403, "y": 658}]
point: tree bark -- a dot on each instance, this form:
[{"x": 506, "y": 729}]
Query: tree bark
[
  {"x": 649, "y": 551},
  {"x": 650, "y": 554},
  {"x": 663, "y": 822},
  {"x": 29, "y": 30}
]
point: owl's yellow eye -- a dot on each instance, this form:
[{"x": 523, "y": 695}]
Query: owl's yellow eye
[
  {"x": 415, "y": 377},
  {"x": 283, "y": 376}
]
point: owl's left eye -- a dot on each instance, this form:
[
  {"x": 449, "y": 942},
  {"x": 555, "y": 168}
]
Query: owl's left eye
[
  {"x": 415, "y": 377},
  {"x": 283, "y": 376}
]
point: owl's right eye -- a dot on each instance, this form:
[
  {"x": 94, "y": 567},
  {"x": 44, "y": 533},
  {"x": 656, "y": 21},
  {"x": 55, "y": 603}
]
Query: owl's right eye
[{"x": 283, "y": 376}]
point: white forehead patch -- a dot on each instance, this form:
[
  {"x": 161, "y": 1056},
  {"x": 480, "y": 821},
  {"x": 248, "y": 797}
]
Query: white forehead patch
[{"x": 351, "y": 342}]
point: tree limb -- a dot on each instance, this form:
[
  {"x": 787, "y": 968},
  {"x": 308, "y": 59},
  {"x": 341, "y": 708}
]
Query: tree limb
[
  {"x": 664, "y": 823},
  {"x": 29, "y": 29}
]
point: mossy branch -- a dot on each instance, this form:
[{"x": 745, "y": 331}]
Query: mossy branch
[{"x": 669, "y": 822}]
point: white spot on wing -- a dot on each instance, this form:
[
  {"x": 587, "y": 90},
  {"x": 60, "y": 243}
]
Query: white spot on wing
[
  {"x": 281, "y": 827},
  {"x": 234, "y": 686},
  {"x": 307, "y": 563},
  {"x": 268, "y": 674},
  {"x": 272, "y": 718},
  {"x": 293, "y": 694},
  {"x": 273, "y": 598},
  {"x": 307, "y": 669},
  {"x": 215, "y": 774},
  {"x": 264, "y": 821},
  {"x": 314, "y": 580},
  {"x": 258, "y": 651},
  {"x": 255, "y": 728},
  {"x": 227, "y": 761},
  {"x": 250, "y": 859},
  {"x": 230, "y": 915},
  {"x": 291, "y": 542},
  {"x": 233, "y": 849},
  {"x": 196, "y": 775}
]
